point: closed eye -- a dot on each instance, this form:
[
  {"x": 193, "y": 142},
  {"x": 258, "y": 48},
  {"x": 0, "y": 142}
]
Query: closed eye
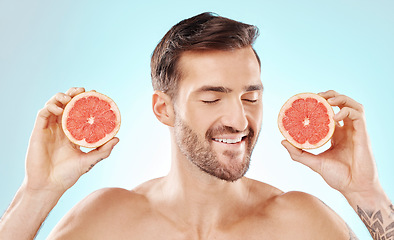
[
  {"x": 211, "y": 102},
  {"x": 250, "y": 100}
]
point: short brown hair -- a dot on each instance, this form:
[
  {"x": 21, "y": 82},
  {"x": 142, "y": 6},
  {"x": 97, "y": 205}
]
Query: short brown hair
[{"x": 206, "y": 31}]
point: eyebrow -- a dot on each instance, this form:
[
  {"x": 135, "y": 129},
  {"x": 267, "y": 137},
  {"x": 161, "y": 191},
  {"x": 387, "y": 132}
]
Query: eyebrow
[
  {"x": 214, "y": 89},
  {"x": 221, "y": 89},
  {"x": 251, "y": 88}
]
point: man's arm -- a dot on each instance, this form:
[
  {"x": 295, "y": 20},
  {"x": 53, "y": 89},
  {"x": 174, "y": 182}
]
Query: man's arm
[
  {"x": 377, "y": 213},
  {"x": 349, "y": 167},
  {"x": 53, "y": 165},
  {"x": 26, "y": 213}
]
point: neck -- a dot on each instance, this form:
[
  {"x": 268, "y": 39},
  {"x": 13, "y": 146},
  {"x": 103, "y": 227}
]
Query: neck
[{"x": 199, "y": 199}]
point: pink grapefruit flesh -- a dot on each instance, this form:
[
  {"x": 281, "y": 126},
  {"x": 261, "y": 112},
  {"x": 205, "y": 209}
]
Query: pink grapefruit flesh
[
  {"x": 306, "y": 121},
  {"x": 90, "y": 119}
]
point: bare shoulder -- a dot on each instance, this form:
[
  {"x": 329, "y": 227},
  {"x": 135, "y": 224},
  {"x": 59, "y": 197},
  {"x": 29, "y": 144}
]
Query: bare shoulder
[
  {"x": 109, "y": 210},
  {"x": 300, "y": 204},
  {"x": 306, "y": 214},
  {"x": 297, "y": 214},
  {"x": 293, "y": 203}
]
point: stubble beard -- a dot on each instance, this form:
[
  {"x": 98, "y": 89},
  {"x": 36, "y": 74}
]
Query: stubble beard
[{"x": 201, "y": 154}]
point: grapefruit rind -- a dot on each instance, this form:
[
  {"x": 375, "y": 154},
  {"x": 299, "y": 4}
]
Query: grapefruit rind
[
  {"x": 306, "y": 145},
  {"x": 83, "y": 142}
]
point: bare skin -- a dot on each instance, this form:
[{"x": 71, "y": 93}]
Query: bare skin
[
  {"x": 155, "y": 210},
  {"x": 190, "y": 204},
  {"x": 53, "y": 165},
  {"x": 218, "y": 88}
]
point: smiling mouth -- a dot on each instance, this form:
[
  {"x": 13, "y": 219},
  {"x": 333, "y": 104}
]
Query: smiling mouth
[{"x": 228, "y": 140}]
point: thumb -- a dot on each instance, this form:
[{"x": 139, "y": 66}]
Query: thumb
[
  {"x": 308, "y": 159},
  {"x": 93, "y": 157}
]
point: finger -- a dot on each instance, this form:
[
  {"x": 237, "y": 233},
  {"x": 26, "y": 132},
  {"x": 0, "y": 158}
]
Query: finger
[
  {"x": 75, "y": 91},
  {"x": 348, "y": 113},
  {"x": 345, "y": 101},
  {"x": 301, "y": 156},
  {"x": 98, "y": 154},
  {"x": 351, "y": 117},
  {"x": 329, "y": 94},
  {"x": 60, "y": 99},
  {"x": 45, "y": 114},
  {"x": 338, "y": 124},
  {"x": 64, "y": 98}
]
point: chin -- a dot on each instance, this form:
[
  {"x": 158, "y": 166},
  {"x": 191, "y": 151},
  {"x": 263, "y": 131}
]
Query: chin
[{"x": 232, "y": 169}]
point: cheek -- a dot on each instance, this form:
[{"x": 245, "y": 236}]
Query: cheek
[
  {"x": 255, "y": 115},
  {"x": 198, "y": 119}
]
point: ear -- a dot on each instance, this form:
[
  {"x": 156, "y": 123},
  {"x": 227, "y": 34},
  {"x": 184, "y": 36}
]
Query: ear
[{"x": 163, "y": 108}]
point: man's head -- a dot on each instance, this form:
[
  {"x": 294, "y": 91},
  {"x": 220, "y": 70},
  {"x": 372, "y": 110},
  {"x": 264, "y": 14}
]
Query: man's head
[
  {"x": 203, "y": 32},
  {"x": 208, "y": 90}
]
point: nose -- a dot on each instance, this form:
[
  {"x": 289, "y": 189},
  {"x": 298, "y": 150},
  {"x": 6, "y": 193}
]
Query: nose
[{"x": 234, "y": 116}]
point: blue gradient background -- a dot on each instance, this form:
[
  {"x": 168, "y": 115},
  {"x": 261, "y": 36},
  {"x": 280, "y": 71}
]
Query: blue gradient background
[{"x": 49, "y": 46}]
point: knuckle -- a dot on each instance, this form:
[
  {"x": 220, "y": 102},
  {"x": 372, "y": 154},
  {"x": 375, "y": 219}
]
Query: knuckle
[
  {"x": 54, "y": 109},
  {"x": 342, "y": 98},
  {"x": 346, "y": 110},
  {"x": 332, "y": 92},
  {"x": 42, "y": 111},
  {"x": 362, "y": 108},
  {"x": 71, "y": 90},
  {"x": 74, "y": 89},
  {"x": 50, "y": 106},
  {"x": 54, "y": 98},
  {"x": 59, "y": 96}
]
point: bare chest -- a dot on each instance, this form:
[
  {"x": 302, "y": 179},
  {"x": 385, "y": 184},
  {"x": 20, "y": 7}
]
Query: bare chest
[{"x": 158, "y": 229}]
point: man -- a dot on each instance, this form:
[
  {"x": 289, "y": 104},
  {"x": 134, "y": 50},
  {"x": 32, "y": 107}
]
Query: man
[{"x": 208, "y": 91}]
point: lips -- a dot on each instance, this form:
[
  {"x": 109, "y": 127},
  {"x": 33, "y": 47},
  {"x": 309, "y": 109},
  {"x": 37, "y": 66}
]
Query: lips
[
  {"x": 229, "y": 140},
  {"x": 229, "y": 136}
]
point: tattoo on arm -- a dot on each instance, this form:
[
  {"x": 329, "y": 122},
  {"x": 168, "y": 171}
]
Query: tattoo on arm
[
  {"x": 378, "y": 229},
  {"x": 392, "y": 211}
]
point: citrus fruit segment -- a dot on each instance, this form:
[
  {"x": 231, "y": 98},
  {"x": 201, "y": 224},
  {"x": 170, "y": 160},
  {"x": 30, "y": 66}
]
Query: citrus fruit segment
[
  {"x": 306, "y": 121},
  {"x": 91, "y": 119}
]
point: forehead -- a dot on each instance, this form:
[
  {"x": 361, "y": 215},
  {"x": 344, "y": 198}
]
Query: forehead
[{"x": 233, "y": 69}]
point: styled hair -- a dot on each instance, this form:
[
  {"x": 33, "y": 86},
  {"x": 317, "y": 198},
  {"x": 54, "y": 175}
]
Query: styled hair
[{"x": 206, "y": 31}]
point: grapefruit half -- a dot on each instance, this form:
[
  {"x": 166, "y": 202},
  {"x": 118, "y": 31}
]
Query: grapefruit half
[
  {"x": 91, "y": 119},
  {"x": 306, "y": 121}
]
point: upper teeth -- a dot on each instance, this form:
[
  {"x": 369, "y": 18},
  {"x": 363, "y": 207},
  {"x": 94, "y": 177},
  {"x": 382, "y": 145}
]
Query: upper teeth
[{"x": 235, "y": 140}]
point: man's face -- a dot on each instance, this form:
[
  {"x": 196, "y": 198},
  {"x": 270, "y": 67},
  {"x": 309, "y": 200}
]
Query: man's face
[{"x": 219, "y": 110}]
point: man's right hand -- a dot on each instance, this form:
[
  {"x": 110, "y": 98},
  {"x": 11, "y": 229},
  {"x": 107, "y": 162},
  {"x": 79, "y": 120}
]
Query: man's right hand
[{"x": 53, "y": 163}]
